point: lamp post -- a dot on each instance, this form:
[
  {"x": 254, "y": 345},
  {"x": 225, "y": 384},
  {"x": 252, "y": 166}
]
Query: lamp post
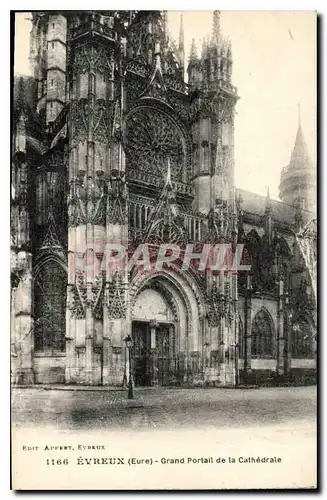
[
  {"x": 206, "y": 346},
  {"x": 234, "y": 345},
  {"x": 129, "y": 345}
]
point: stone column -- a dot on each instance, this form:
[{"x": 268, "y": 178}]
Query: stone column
[
  {"x": 287, "y": 334},
  {"x": 212, "y": 334},
  {"x": 70, "y": 330},
  {"x": 21, "y": 267},
  {"x": 280, "y": 344},
  {"x": 206, "y": 364},
  {"x": 88, "y": 164},
  {"x": 181, "y": 368},
  {"x": 227, "y": 328},
  {"x": 197, "y": 375},
  {"x": 117, "y": 300},
  {"x": 247, "y": 328},
  {"x": 24, "y": 338}
]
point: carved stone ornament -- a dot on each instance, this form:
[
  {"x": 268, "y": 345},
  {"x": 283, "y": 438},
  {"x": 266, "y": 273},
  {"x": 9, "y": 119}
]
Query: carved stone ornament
[
  {"x": 219, "y": 222},
  {"x": 180, "y": 104},
  {"x": 101, "y": 120},
  {"x": 307, "y": 241},
  {"x": 221, "y": 108},
  {"x": 116, "y": 297},
  {"x": 165, "y": 224},
  {"x": 135, "y": 88},
  {"x": 150, "y": 138},
  {"x": 51, "y": 242},
  {"x": 79, "y": 297},
  {"x": 86, "y": 200},
  {"x": 139, "y": 66},
  {"x": 219, "y": 306},
  {"x": 91, "y": 58},
  {"x": 117, "y": 212},
  {"x": 81, "y": 112}
]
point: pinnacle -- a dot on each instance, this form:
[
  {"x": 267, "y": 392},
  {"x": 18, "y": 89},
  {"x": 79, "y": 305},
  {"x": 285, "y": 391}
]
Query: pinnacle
[
  {"x": 300, "y": 155},
  {"x": 193, "y": 52}
]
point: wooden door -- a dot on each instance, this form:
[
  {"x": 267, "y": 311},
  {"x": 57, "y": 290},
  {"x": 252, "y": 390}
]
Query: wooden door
[
  {"x": 165, "y": 343},
  {"x": 140, "y": 353}
]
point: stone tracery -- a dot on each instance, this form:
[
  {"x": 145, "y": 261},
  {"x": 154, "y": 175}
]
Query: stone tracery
[{"x": 150, "y": 138}]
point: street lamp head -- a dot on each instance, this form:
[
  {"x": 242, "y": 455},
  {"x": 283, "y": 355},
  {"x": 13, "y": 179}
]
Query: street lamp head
[{"x": 129, "y": 342}]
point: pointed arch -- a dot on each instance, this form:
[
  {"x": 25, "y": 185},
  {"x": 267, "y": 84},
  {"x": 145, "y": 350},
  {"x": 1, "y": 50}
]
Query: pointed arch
[
  {"x": 46, "y": 259},
  {"x": 283, "y": 247},
  {"x": 251, "y": 253},
  {"x": 50, "y": 289},
  {"x": 252, "y": 246},
  {"x": 262, "y": 335},
  {"x": 303, "y": 336},
  {"x": 182, "y": 286},
  {"x": 284, "y": 258}
]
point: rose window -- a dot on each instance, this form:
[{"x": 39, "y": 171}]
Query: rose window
[{"x": 150, "y": 138}]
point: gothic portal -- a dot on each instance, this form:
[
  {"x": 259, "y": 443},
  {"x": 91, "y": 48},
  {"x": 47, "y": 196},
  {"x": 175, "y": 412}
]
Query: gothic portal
[{"x": 112, "y": 146}]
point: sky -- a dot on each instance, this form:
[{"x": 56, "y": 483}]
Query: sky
[{"x": 274, "y": 69}]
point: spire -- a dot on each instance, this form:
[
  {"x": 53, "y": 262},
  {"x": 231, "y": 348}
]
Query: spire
[
  {"x": 268, "y": 218},
  {"x": 300, "y": 155},
  {"x": 168, "y": 192},
  {"x": 164, "y": 224},
  {"x": 216, "y": 27},
  {"x": 204, "y": 48},
  {"x": 165, "y": 23},
  {"x": 181, "y": 35},
  {"x": 297, "y": 181},
  {"x": 229, "y": 47},
  {"x": 224, "y": 47},
  {"x": 181, "y": 43},
  {"x": 156, "y": 81},
  {"x": 268, "y": 201},
  {"x": 193, "y": 52}
]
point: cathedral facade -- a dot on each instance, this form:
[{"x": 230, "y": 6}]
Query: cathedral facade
[{"x": 111, "y": 146}]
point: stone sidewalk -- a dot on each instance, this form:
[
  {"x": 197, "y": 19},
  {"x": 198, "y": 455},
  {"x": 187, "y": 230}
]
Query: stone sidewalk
[
  {"x": 162, "y": 408},
  {"x": 63, "y": 387}
]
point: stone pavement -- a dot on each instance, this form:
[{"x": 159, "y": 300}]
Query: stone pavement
[{"x": 163, "y": 408}]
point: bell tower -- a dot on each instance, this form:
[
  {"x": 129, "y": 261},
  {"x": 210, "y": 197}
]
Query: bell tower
[
  {"x": 213, "y": 100},
  {"x": 48, "y": 57},
  {"x": 297, "y": 182}
]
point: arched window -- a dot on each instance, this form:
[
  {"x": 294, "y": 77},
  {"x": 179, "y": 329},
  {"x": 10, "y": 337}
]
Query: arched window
[
  {"x": 251, "y": 251},
  {"x": 261, "y": 336},
  {"x": 50, "y": 308},
  {"x": 302, "y": 338}
]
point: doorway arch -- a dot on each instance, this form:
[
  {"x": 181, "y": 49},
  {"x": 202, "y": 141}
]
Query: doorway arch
[{"x": 166, "y": 325}]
